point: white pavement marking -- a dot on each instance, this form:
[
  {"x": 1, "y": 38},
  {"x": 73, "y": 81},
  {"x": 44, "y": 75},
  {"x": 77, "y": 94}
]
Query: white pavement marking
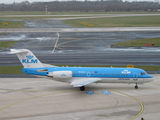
[{"x": 39, "y": 30}]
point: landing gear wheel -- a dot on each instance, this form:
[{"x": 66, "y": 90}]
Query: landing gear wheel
[
  {"x": 136, "y": 87},
  {"x": 82, "y": 88}
]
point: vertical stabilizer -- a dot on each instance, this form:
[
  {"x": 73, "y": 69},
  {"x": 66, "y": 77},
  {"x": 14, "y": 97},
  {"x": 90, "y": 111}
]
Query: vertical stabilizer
[{"x": 27, "y": 58}]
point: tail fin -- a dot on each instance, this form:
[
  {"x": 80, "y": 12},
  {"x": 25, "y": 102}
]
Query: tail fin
[{"x": 27, "y": 58}]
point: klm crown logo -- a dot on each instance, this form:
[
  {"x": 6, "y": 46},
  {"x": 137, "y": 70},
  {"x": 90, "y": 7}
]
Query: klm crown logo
[
  {"x": 63, "y": 75},
  {"x": 126, "y": 72},
  {"x": 29, "y": 59}
]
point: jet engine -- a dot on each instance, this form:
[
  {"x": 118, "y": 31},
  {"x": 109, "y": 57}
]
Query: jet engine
[{"x": 60, "y": 74}]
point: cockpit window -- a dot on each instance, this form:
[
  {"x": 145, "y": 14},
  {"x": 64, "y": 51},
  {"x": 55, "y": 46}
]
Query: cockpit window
[{"x": 143, "y": 73}]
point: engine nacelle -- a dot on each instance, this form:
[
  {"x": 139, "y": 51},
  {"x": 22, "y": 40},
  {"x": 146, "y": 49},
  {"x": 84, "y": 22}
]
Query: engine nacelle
[{"x": 60, "y": 74}]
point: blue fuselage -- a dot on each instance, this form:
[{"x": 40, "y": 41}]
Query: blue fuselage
[{"x": 92, "y": 72}]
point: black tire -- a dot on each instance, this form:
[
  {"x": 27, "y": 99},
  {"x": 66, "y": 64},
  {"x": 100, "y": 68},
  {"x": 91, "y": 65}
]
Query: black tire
[
  {"x": 136, "y": 87},
  {"x": 82, "y": 88}
]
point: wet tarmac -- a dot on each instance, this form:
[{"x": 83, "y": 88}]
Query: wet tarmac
[
  {"x": 79, "y": 47},
  {"x": 82, "y": 48},
  {"x": 82, "y": 42},
  {"x": 45, "y": 24}
]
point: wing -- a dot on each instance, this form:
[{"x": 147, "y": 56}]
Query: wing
[{"x": 83, "y": 81}]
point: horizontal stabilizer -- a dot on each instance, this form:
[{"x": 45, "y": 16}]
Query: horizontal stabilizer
[{"x": 15, "y": 51}]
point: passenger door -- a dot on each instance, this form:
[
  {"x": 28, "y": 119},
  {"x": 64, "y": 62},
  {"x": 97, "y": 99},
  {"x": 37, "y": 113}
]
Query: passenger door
[{"x": 135, "y": 76}]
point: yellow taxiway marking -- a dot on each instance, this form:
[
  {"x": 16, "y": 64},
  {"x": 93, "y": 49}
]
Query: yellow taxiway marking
[
  {"x": 73, "y": 40},
  {"x": 89, "y": 38},
  {"x": 68, "y": 42},
  {"x": 32, "y": 98},
  {"x": 46, "y": 24},
  {"x": 76, "y": 46},
  {"x": 140, "y": 103},
  {"x": 55, "y": 46},
  {"x": 57, "y": 37}
]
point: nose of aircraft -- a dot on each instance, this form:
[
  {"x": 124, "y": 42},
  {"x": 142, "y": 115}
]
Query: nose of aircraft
[{"x": 149, "y": 78}]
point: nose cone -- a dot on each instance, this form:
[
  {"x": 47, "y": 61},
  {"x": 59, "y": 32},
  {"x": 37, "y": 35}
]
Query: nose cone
[{"x": 149, "y": 78}]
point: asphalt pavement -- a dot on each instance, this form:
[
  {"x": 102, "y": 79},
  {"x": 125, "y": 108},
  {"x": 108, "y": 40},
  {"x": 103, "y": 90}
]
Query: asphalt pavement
[
  {"x": 44, "y": 99},
  {"x": 56, "y": 43},
  {"x": 23, "y": 99}
]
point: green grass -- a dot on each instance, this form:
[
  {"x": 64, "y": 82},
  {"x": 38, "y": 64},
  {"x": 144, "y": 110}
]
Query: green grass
[
  {"x": 149, "y": 68},
  {"x": 6, "y": 44},
  {"x": 11, "y": 70},
  {"x": 140, "y": 42},
  {"x": 12, "y": 24},
  {"x": 2, "y": 33},
  {"x": 18, "y": 69},
  {"x": 136, "y": 21},
  {"x": 21, "y": 13}
]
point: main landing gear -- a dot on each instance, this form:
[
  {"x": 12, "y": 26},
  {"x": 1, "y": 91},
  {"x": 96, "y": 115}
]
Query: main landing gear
[
  {"x": 82, "y": 88},
  {"x": 136, "y": 87}
]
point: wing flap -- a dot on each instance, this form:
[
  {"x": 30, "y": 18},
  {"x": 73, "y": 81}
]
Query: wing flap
[{"x": 84, "y": 81}]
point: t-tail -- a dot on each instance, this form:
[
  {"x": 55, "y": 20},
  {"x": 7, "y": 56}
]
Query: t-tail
[{"x": 27, "y": 58}]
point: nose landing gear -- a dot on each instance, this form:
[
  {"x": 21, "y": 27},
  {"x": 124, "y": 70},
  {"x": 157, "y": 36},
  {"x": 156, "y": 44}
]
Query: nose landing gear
[{"x": 136, "y": 87}]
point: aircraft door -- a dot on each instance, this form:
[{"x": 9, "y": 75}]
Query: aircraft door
[
  {"x": 135, "y": 76},
  {"x": 88, "y": 74}
]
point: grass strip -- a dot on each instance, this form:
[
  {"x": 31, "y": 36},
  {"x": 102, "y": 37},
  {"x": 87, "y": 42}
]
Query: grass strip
[
  {"x": 134, "y": 21},
  {"x": 66, "y": 13},
  {"x": 38, "y": 17},
  {"x": 2, "y": 33},
  {"x": 11, "y": 70},
  {"x": 139, "y": 42},
  {"x": 6, "y": 44},
  {"x": 21, "y": 13},
  {"x": 18, "y": 69},
  {"x": 11, "y": 24}
]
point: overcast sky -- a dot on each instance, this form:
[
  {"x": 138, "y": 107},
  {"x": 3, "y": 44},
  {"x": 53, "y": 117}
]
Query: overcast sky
[
  {"x": 11, "y": 1},
  {"x": 18, "y": 1}
]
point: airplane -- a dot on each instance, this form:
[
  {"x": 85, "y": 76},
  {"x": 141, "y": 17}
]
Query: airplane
[{"x": 80, "y": 76}]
